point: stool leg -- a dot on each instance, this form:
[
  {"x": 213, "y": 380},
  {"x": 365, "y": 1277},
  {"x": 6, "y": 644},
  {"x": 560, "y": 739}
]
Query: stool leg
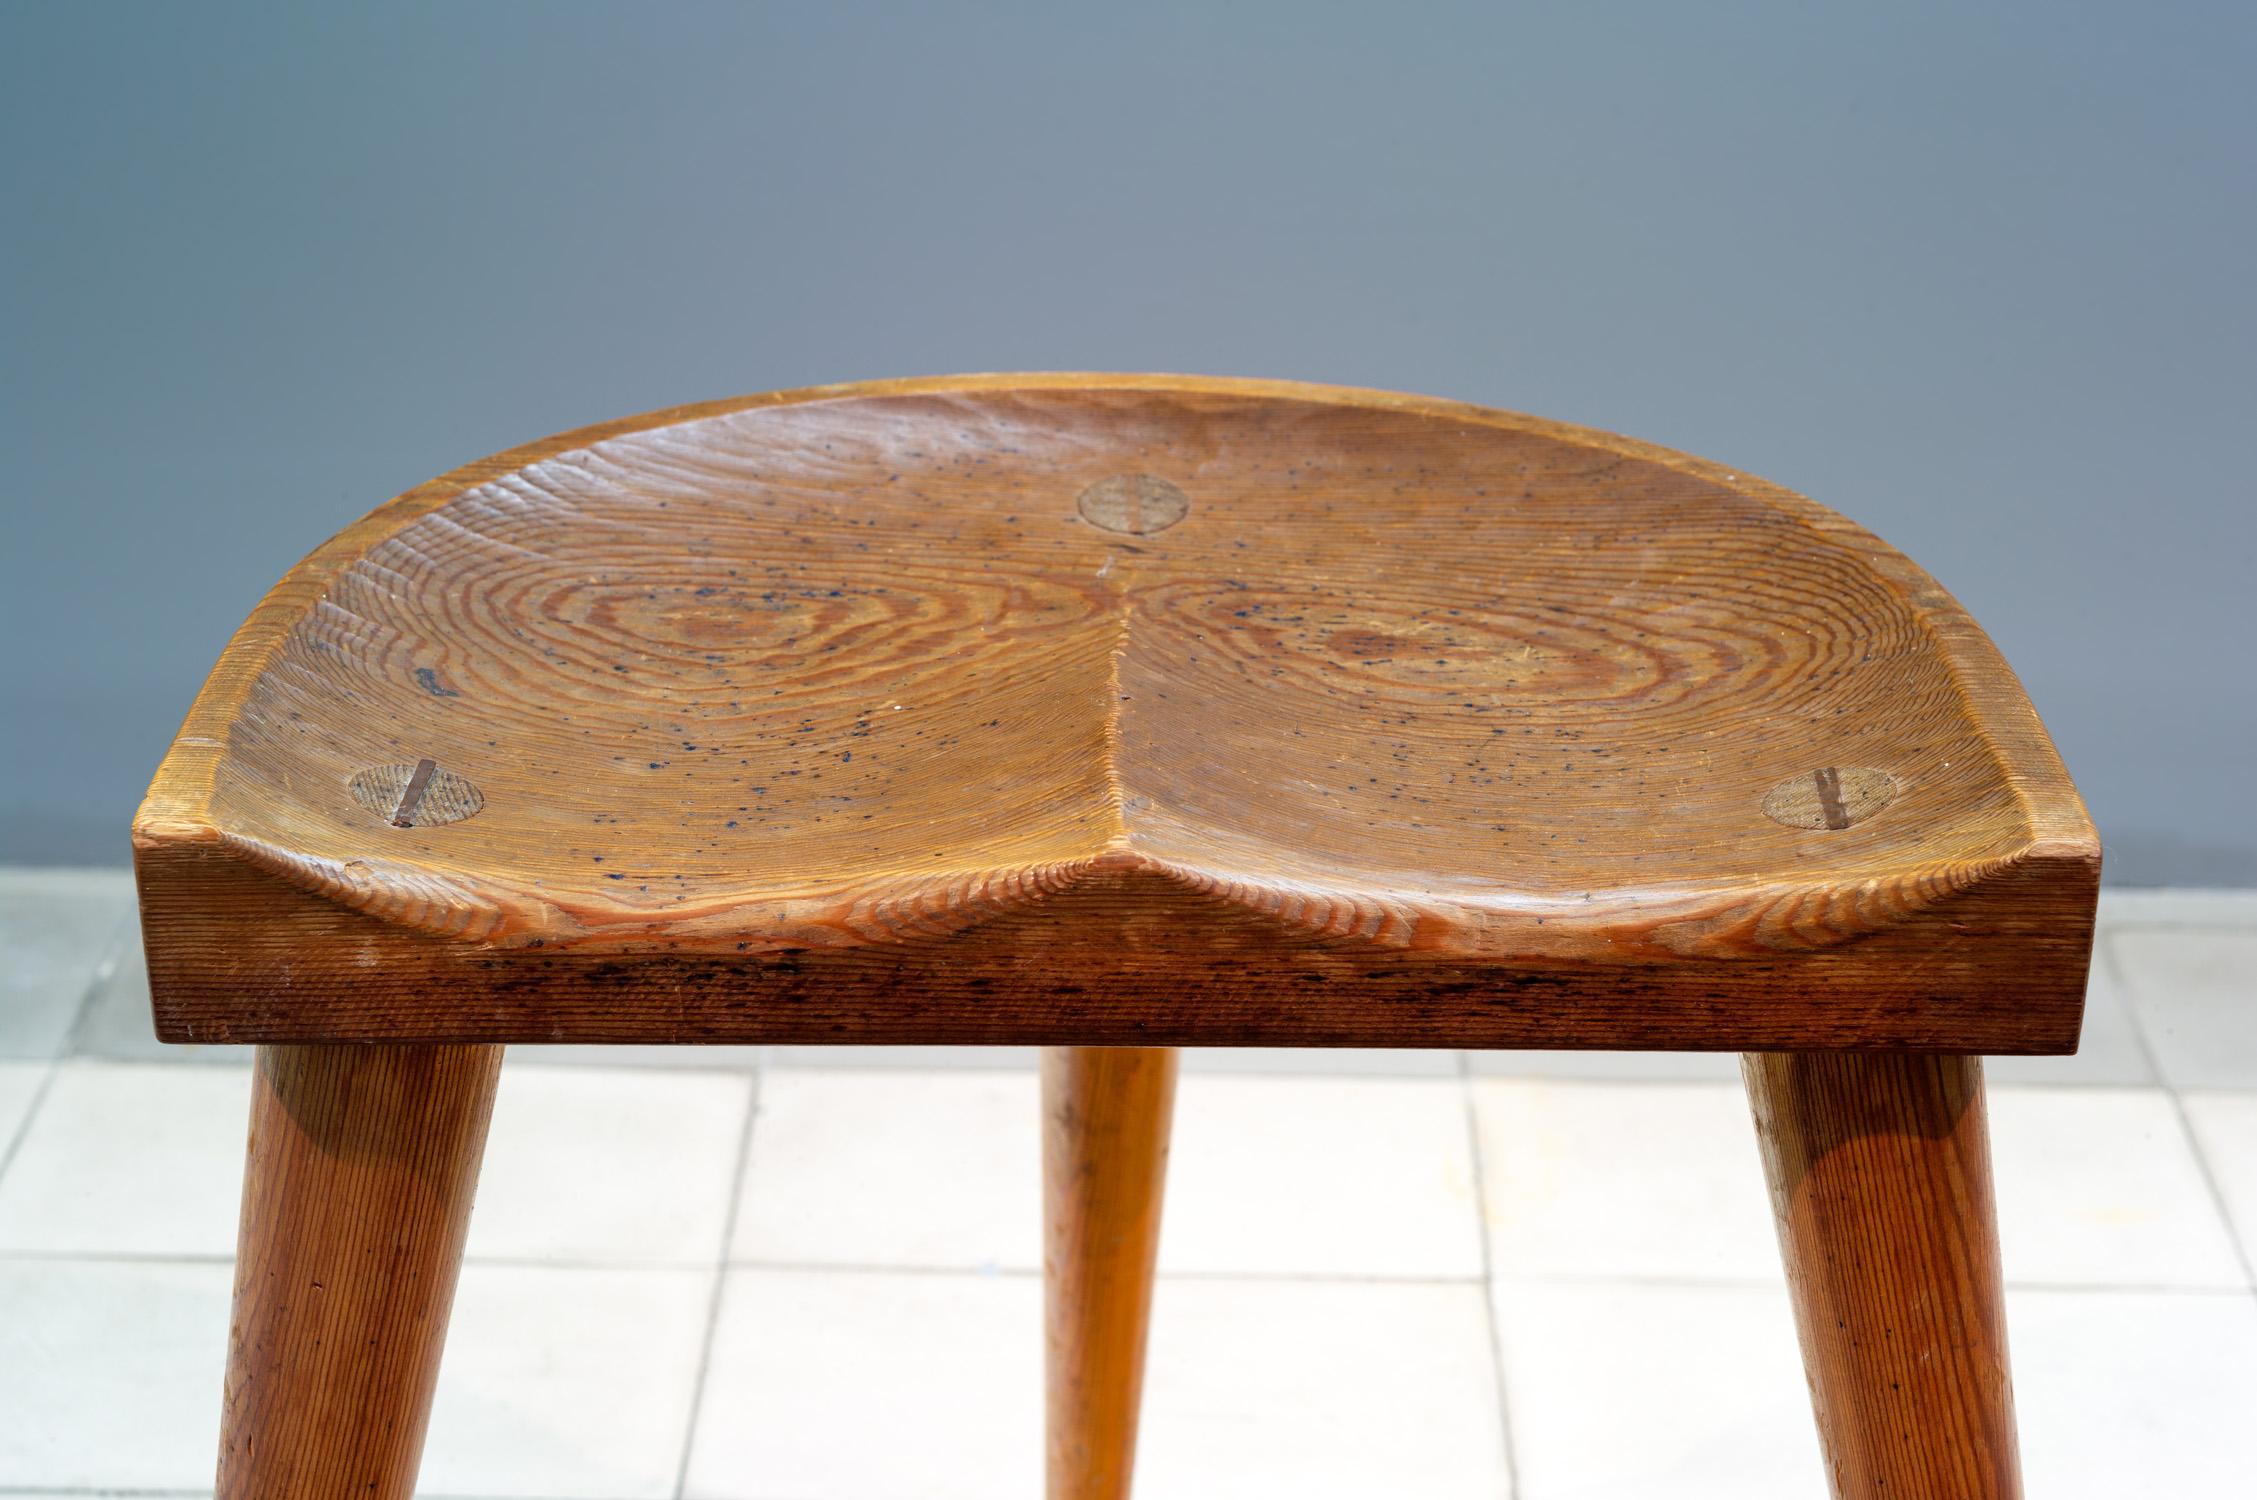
[
  {"x": 356, "y": 1201},
  {"x": 1105, "y": 1116},
  {"x": 1881, "y": 1181}
]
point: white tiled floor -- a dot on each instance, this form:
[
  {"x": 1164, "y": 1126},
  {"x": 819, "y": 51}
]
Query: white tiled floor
[
  {"x": 944, "y": 1167},
  {"x": 108, "y": 1373},
  {"x": 1323, "y": 1177},
  {"x": 129, "y": 1159},
  {"x": 2193, "y": 1003},
  {"x": 2103, "y": 1187},
  {"x": 568, "y": 1381},
  {"x": 19, "y": 1087},
  {"x": 1329, "y": 1389},
  {"x": 62, "y": 927},
  {"x": 663, "y": 1145},
  {"x": 2226, "y": 1126},
  {"x": 1633, "y": 1390},
  {"x": 814, "y": 1392},
  {"x": 1623, "y": 1180},
  {"x": 769, "y": 1274},
  {"x": 2135, "y": 1393}
]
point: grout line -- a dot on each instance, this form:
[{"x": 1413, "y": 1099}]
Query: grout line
[
  {"x": 1647, "y": 1281},
  {"x": 127, "y": 930},
  {"x": 737, "y": 1188},
  {"x": 212, "y": 1057},
  {"x": 2245, "y": 1249},
  {"x": 1644, "y": 1280},
  {"x": 104, "y": 1492},
  {"x": 1315, "y": 1070},
  {"x": 993, "y": 1272},
  {"x": 227, "y": 1258},
  {"x": 131, "y": 1492},
  {"x": 1489, "y": 1288},
  {"x": 2106, "y": 947},
  {"x": 32, "y": 1106},
  {"x": 1994, "y": 1087},
  {"x": 2217, "y": 1193},
  {"x": 13, "y": 1256},
  {"x": 2206, "y": 926},
  {"x": 2232, "y": 909},
  {"x": 2104, "y": 953},
  {"x": 1690, "y": 1282},
  {"x": 2143, "y": 1288},
  {"x": 103, "y": 968}
]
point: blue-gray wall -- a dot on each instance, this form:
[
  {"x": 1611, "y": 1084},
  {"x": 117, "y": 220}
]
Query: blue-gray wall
[{"x": 1981, "y": 277}]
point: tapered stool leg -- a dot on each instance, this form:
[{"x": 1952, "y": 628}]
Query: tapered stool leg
[
  {"x": 356, "y": 1202},
  {"x": 1881, "y": 1182},
  {"x": 1105, "y": 1114}
]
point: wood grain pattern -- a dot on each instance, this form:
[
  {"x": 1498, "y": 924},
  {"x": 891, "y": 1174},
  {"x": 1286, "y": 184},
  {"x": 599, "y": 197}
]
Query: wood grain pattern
[
  {"x": 356, "y": 1203},
  {"x": 844, "y": 691},
  {"x": 1880, "y": 1177},
  {"x": 1106, "y": 1113}
]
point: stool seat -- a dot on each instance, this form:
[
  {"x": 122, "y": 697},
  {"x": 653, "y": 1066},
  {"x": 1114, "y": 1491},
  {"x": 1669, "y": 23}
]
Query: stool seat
[
  {"x": 1112, "y": 714},
  {"x": 1001, "y": 709}
]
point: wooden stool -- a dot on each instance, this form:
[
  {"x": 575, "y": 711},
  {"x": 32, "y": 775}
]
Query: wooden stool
[{"x": 1112, "y": 714}]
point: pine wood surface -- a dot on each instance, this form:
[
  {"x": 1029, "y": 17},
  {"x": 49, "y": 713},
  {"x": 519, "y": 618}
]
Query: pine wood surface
[
  {"x": 1106, "y": 1113},
  {"x": 1880, "y": 1175},
  {"x": 356, "y": 1205},
  {"x": 994, "y": 708}
]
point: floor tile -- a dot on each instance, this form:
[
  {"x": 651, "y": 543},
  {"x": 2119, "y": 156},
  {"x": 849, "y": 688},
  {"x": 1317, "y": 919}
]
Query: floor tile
[
  {"x": 58, "y": 929},
  {"x": 1285, "y": 1175},
  {"x": 1623, "y": 1179},
  {"x": 19, "y": 881},
  {"x": 2225, "y": 1128},
  {"x": 609, "y": 1164},
  {"x": 2186, "y": 906},
  {"x": 110, "y": 1373},
  {"x": 130, "y": 1159},
  {"x": 1625, "y": 1392},
  {"x": 2194, "y": 994},
  {"x": 2135, "y": 1393},
  {"x": 140, "y": 1158},
  {"x": 2096, "y": 1186},
  {"x": 1625, "y": 1066},
  {"x": 724, "y": 1059},
  {"x": 1386, "y": 1062},
  {"x": 1321, "y": 1177},
  {"x": 893, "y": 1169},
  {"x": 117, "y": 1023},
  {"x": 1413, "y": 1062},
  {"x": 921, "y": 1058},
  {"x": 567, "y": 1383},
  {"x": 562, "y": 1383},
  {"x": 19, "y": 1085},
  {"x": 2102, "y": 1187},
  {"x": 1322, "y": 1391},
  {"x": 856, "y": 1385},
  {"x": 2109, "y": 1050}
]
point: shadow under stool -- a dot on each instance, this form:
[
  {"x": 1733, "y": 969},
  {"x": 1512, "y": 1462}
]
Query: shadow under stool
[{"x": 1111, "y": 714}]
